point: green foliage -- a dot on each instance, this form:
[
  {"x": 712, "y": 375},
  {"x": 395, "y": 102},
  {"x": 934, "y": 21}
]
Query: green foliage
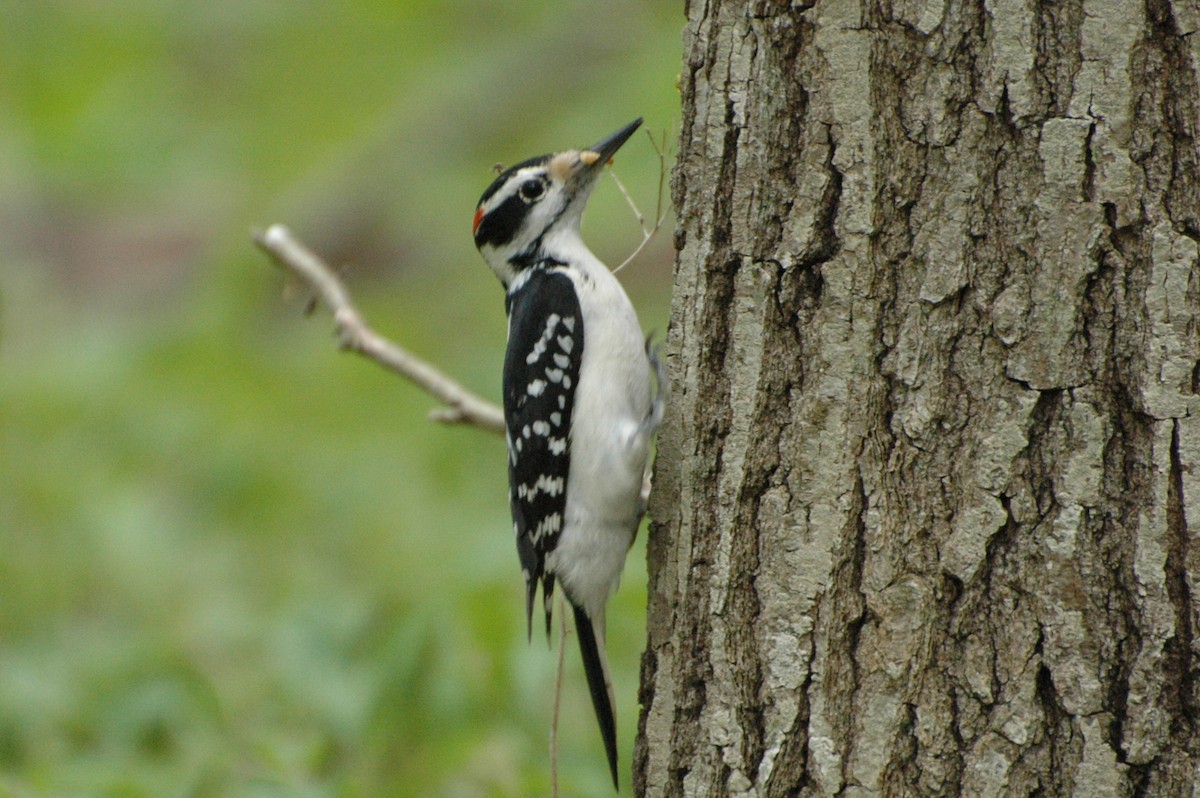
[{"x": 235, "y": 562}]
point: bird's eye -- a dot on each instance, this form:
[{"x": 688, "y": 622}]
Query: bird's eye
[{"x": 532, "y": 190}]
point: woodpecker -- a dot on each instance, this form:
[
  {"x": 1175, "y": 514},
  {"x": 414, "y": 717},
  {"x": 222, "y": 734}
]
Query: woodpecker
[{"x": 579, "y": 408}]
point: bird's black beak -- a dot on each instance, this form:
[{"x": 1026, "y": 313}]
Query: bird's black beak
[{"x": 597, "y": 155}]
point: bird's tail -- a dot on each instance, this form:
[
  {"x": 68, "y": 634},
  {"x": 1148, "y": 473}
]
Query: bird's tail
[{"x": 595, "y": 664}]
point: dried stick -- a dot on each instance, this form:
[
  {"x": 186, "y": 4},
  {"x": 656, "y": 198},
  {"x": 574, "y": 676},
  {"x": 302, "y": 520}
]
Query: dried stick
[
  {"x": 660, "y": 215},
  {"x": 461, "y": 405}
]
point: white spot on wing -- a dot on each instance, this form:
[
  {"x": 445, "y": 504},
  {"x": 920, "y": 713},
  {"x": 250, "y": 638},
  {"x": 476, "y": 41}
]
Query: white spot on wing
[
  {"x": 551, "y": 486},
  {"x": 548, "y": 525},
  {"x": 539, "y": 347}
]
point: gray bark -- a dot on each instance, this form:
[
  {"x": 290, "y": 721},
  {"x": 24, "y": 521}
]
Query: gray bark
[{"x": 925, "y": 499}]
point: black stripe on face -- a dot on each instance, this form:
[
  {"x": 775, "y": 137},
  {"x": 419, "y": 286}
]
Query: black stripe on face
[{"x": 502, "y": 222}]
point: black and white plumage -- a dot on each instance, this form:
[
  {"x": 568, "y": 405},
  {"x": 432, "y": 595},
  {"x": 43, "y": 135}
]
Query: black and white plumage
[
  {"x": 541, "y": 372},
  {"x": 578, "y": 403}
]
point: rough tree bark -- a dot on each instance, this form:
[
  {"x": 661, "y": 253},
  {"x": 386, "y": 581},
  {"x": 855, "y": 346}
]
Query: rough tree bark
[{"x": 925, "y": 500}]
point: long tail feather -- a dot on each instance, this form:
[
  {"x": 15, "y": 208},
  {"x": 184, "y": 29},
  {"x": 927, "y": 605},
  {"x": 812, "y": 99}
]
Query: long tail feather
[
  {"x": 547, "y": 604},
  {"x": 595, "y": 664},
  {"x": 530, "y": 590}
]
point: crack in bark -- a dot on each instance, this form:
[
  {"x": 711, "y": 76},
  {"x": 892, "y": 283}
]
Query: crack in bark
[
  {"x": 1179, "y": 650},
  {"x": 825, "y": 243},
  {"x": 647, "y": 680},
  {"x": 742, "y": 605},
  {"x": 1089, "y": 166},
  {"x": 790, "y": 775},
  {"x": 848, "y": 584},
  {"x": 1058, "y": 56},
  {"x": 1058, "y": 723},
  {"x": 1172, "y": 100}
]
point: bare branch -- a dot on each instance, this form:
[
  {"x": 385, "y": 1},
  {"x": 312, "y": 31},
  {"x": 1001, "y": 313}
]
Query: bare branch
[
  {"x": 355, "y": 335},
  {"x": 660, "y": 215}
]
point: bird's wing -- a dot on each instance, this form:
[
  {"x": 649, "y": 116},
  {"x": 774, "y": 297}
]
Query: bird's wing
[{"x": 541, "y": 374}]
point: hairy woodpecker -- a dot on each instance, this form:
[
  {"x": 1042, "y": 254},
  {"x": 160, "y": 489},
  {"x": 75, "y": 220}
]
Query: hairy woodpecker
[{"x": 578, "y": 404}]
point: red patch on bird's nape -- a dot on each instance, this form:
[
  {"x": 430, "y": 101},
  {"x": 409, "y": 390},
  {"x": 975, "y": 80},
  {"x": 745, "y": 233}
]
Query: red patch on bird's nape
[{"x": 478, "y": 219}]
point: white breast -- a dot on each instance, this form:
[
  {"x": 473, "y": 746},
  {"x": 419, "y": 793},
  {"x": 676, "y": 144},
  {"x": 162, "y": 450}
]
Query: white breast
[{"x": 608, "y": 455}]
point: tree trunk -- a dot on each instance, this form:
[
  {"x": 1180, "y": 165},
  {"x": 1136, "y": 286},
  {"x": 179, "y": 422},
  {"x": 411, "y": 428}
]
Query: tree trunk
[{"x": 922, "y": 501}]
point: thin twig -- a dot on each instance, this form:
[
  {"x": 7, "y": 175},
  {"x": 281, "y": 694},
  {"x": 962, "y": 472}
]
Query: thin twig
[
  {"x": 659, "y": 215},
  {"x": 564, "y": 630},
  {"x": 355, "y": 335},
  {"x": 629, "y": 201}
]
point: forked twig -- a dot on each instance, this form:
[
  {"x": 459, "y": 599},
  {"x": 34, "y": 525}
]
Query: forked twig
[
  {"x": 660, "y": 215},
  {"x": 355, "y": 335}
]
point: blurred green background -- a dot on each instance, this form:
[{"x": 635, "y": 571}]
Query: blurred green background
[{"x": 234, "y": 562}]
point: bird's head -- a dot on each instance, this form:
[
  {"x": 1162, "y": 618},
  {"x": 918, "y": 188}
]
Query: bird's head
[{"x": 534, "y": 208}]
